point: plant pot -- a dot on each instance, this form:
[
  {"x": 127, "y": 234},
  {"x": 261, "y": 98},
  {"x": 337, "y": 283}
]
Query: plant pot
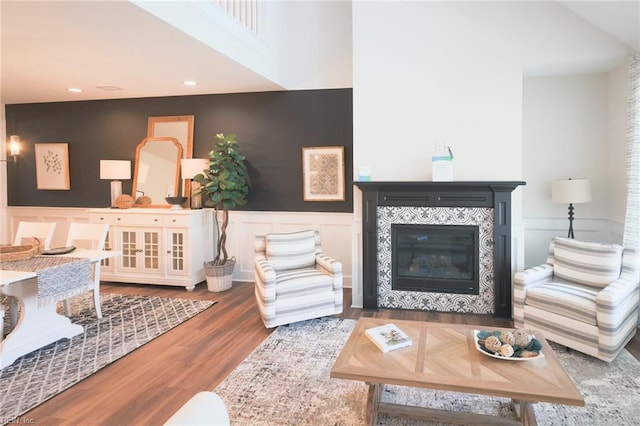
[{"x": 219, "y": 277}]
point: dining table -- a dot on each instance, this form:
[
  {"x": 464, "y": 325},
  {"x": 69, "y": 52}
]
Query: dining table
[{"x": 38, "y": 284}]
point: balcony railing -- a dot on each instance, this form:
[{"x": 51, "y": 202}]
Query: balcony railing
[{"x": 246, "y": 12}]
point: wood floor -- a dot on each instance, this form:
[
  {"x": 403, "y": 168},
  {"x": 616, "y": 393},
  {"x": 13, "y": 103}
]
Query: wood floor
[{"x": 147, "y": 386}]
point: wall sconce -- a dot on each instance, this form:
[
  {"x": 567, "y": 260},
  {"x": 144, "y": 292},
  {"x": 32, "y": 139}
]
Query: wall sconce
[
  {"x": 14, "y": 148},
  {"x": 571, "y": 191},
  {"x": 191, "y": 167},
  {"x": 115, "y": 170}
]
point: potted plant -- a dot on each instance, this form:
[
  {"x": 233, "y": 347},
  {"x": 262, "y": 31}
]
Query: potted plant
[{"x": 225, "y": 186}]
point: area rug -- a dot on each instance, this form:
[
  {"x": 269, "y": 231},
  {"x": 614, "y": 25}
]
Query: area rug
[
  {"x": 127, "y": 323},
  {"x": 285, "y": 381}
]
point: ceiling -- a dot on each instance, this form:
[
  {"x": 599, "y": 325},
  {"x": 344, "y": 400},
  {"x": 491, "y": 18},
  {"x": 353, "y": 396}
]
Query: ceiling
[
  {"x": 110, "y": 49},
  {"x": 619, "y": 19},
  {"x": 114, "y": 49}
]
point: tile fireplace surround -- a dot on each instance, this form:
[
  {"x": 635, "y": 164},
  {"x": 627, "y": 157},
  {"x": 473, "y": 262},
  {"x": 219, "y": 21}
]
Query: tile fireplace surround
[{"x": 486, "y": 204}]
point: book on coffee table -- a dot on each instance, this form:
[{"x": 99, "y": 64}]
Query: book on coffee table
[{"x": 388, "y": 337}]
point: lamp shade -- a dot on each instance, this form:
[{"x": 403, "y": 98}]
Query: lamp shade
[
  {"x": 571, "y": 191},
  {"x": 14, "y": 145},
  {"x": 115, "y": 169},
  {"x": 193, "y": 166}
]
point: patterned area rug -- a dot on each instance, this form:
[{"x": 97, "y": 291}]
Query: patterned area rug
[
  {"x": 127, "y": 323},
  {"x": 285, "y": 381}
]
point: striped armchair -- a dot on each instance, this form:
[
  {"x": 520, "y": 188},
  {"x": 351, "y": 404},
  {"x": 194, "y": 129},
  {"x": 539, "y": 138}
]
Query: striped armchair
[
  {"x": 586, "y": 297},
  {"x": 295, "y": 280}
]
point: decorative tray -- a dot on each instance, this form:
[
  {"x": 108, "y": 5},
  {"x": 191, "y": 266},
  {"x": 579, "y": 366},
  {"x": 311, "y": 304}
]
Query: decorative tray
[
  {"x": 9, "y": 253},
  {"x": 59, "y": 250},
  {"x": 522, "y": 346}
]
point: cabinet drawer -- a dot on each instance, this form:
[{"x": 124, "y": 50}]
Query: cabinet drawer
[
  {"x": 125, "y": 219},
  {"x": 177, "y": 220}
]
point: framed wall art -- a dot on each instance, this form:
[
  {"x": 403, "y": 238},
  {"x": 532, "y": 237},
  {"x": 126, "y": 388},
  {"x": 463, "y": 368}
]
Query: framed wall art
[
  {"x": 52, "y": 166},
  {"x": 323, "y": 173}
]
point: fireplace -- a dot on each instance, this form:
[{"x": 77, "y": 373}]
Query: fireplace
[
  {"x": 435, "y": 258},
  {"x": 447, "y": 213}
]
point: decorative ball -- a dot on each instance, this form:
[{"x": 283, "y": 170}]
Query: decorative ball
[
  {"x": 507, "y": 338},
  {"x": 506, "y": 350},
  {"x": 492, "y": 343},
  {"x": 124, "y": 201},
  {"x": 522, "y": 338},
  {"x": 143, "y": 200}
]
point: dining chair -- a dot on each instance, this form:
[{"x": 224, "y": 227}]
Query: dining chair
[
  {"x": 91, "y": 236},
  {"x": 43, "y": 231}
]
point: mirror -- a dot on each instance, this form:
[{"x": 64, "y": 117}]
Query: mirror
[
  {"x": 176, "y": 126},
  {"x": 157, "y": 170}
]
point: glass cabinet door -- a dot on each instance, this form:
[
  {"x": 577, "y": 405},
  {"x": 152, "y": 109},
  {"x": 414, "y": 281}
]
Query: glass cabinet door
[
  {"x": 177, "y": 252},
  {"x": 151, "y": 253},
  {"x": 129, "y": 247},
  {"x": 140, "y": 250}
]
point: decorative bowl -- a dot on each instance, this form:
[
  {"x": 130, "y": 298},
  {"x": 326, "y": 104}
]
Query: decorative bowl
[
  {"x": 533, "y": 348},
  {"x": 176, "y": 201}
]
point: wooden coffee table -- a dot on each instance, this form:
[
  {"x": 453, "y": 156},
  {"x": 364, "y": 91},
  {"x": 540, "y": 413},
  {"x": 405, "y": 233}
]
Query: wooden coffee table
[{"x": 444, "y": 357}]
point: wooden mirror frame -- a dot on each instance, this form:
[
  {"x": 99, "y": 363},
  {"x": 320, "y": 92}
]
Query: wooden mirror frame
[
  {"x": 176, "y": 179},
  {"x": 175, "y": 126}
]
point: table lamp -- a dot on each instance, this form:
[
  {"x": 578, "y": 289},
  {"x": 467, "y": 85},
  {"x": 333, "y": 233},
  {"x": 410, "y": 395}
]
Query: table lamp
[
  {"x": 571, "y": 191},
  {"x": 191, "y": 167},
  {"x": 115, "y": 170}
]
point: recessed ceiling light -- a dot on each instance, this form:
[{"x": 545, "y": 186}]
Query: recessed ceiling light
[
  {"x": 189, "y": 83},
  {"x": 74, "y": 90},
  {"x": 109, "y": 88}
]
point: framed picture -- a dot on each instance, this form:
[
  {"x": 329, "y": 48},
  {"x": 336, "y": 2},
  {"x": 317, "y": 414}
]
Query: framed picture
[
  {"x": 52, "y": 166},
  {"x": 323, "y": 173}
]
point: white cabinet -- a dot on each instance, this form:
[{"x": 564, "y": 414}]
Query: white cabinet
[{"x": 159, "y": 246}]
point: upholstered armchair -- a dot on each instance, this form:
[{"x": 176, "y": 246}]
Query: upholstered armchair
[
  {"x": 585, "y": 297},
  {"x": 295, "y": 280}
]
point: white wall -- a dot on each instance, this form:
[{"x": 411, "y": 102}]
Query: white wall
[
  {"x": 425, "y": 72},
  {"x": 565, "y": 135},
  {"x": 311, "y": 43},
  {"x": 452, "y": 71},
  {"x": 567, "y": 132}
]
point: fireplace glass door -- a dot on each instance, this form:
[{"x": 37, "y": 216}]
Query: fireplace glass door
[{"x": 435, "y": 258}]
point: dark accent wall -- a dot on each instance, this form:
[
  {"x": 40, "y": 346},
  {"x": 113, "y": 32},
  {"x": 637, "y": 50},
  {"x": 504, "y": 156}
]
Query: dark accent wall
[{"x": 272, "y": 128}]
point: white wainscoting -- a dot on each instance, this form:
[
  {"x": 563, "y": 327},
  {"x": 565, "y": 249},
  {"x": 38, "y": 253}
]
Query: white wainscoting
[
  {"x": 341, "y": 235},
  {"x": 538, "y": 233},
  {"x": 335, "y": 232},
  {"x": 62, "y": 216}
]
